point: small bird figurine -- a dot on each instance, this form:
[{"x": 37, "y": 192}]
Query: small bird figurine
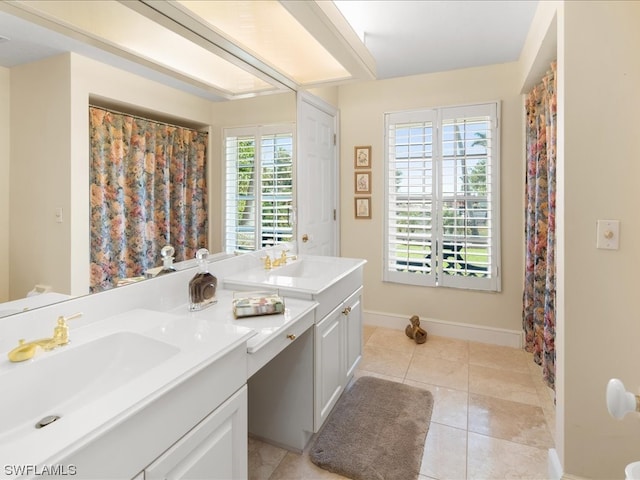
[{"x": 415, "y": 331}]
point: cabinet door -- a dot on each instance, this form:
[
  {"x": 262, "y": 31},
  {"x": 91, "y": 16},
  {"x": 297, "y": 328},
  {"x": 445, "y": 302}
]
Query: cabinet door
[
  {"x": 329, "y": 367},
  {"x": 215, "y": 449},
  {"x": 353, "y": 318}
]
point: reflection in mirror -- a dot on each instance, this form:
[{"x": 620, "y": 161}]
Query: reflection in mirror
[
  {"x": 259, "y": 188},
  {"x": 47, "y": 232},
  {"x": 148, "y": 184}
]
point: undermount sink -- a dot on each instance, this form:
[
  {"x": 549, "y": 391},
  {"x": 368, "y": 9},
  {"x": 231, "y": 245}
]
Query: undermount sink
[
  {"x": 300, "y": 268},
  {"x": 57, "y": 382},
  {"x": 309, "y": 274}
]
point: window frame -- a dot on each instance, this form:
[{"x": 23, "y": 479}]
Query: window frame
[
  {"x": 435, "y": 231},
  {"x": 257, "y": 132}
]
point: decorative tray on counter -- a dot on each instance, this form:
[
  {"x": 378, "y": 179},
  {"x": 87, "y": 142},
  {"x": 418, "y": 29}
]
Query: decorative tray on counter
[{"x": 251, "y": 304}]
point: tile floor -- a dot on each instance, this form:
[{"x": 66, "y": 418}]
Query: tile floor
[{"x": 493, "y": 418}]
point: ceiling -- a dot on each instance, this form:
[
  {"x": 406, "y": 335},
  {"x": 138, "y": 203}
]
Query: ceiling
[
  {"x": 404, "y": 37},
  {"x": 409, "y": 37}
]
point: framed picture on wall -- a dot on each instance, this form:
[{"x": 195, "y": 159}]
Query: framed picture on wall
[
  {"x": 363, "y": 207},
  {"x": 363, "y": 182},
  {"x": 362, "y": 157}
]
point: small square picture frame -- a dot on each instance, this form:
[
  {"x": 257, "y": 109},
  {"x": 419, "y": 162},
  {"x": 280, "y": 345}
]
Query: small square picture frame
[
  {"x": 362, "y": 183},
  {"x": 362, "y": 157},
  {"x": 362, "y": 207}
]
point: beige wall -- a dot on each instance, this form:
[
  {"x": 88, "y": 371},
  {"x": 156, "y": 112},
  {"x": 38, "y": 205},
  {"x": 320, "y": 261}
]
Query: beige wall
[
  {"x": 362, "y": 107},
  {"x": 4, "y": 183},
  {"x": 598, "y": 49},
  {"x": 40, "y": 151}
]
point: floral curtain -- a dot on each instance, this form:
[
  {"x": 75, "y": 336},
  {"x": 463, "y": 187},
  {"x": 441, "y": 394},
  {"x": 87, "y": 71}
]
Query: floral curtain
[
  {"x": 538, "y": 315},
  {"x": 147, "y": 189}
]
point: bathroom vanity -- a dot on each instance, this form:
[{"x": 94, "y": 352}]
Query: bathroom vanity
[
  {"x": 332, "y": 352},
  {"x": 171, "y": 393}
]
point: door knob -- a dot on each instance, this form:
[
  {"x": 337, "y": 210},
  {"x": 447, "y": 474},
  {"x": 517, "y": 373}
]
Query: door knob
[{"x": 305, "y": 238}]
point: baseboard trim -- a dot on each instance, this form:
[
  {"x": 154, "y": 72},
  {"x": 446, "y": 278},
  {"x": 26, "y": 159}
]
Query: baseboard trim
[
  {"x": 462, "y": 331},
  {"x": 554, "y": 466}
]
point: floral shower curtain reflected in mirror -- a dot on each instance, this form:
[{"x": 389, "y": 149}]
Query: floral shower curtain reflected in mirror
[
  {"x": 539, "y": 299},
  {"x": 148, "y": 189}
]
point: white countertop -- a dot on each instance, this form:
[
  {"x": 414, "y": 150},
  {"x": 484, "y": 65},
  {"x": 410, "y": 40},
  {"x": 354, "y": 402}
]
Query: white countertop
[
  {"x": 308, "y": 274},
  {"x": 198, "y": 343},
  {"x": 194, "y": 341},
  {"x": 264, "y": 327}
]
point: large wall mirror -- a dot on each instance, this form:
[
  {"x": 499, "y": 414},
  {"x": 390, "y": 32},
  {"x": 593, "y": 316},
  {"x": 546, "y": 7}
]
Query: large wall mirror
[{"x": 47, "y": 82}]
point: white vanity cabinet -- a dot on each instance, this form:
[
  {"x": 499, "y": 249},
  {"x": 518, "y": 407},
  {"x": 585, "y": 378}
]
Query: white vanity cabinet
[
  {"x": 353, "y": 326},
  {"x": 319, "y": 363},
  {"x": 215, "y": 449},
  {"x": 338, "y": 350},
  {"x": 195, "y": 430}
]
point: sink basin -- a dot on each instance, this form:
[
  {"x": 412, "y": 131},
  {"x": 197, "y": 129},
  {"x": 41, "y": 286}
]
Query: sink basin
[
  {"x": 303, "y": 268},
  {"x": 57, "y": 382},
  {"x": 292, "y": 270},
  {"x": 309, "y": 274},
  {"x": 308, "y": 268}
]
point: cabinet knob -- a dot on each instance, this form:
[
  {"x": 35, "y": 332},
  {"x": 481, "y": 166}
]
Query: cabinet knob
[
  {"x": 305, "y": 238},
  {"x": 291, "y": 337},
  {"x": 346, "y": 311}
]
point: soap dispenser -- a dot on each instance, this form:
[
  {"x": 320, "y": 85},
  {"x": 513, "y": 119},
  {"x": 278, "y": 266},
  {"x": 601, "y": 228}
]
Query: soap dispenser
[
  {"x": 202, "y": 287},
  {"x": 167, "y": 260}
]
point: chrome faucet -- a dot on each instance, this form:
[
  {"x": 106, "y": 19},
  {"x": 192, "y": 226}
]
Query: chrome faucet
[{"x": 26, "y": 350}]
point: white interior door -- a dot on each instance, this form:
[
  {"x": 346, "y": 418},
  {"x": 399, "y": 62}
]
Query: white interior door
[{"x": 317, "y": 179}]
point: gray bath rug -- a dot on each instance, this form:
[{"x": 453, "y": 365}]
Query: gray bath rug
[{"x": 376, "y": 431}]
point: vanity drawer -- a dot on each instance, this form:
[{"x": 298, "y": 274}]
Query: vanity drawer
[{"x": 278, "y": 342}]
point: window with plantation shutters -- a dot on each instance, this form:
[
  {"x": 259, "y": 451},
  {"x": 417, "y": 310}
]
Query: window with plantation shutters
[
  {"x": 259, "y": 186},
  {"x": 442, "y": 191}
]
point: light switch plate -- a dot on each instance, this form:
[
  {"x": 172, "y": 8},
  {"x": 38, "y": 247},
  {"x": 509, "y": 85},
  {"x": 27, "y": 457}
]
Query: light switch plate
[{"x": 608, "y": 234}]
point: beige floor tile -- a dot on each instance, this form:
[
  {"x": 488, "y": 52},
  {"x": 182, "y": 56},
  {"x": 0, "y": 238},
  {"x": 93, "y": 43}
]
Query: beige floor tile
[
  {"x": 505, "y": 384},
  {"x": 445, "y": 453},
  {"x": 391, "y": 339},
  {"x": 478, "y": 389},
  {"x": 446, "y": 348},
  {"x": 367, "y": 330},
  {"x": 496, "y": 356},
  {"x": 363, "y": 373},
  {"x": 547, "y": 401},
  {"x": 297, "y": 466},
  {"x": 438, "y": 371},
  {"x": 449, "y": 405},
  {"x": 263, "y": 459},
  {"x": 534, "y": 368},
  {"x": 513, "y": 421},
  {"x": 393, "y": 363},
  {"x": 493, "y": 458}
]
